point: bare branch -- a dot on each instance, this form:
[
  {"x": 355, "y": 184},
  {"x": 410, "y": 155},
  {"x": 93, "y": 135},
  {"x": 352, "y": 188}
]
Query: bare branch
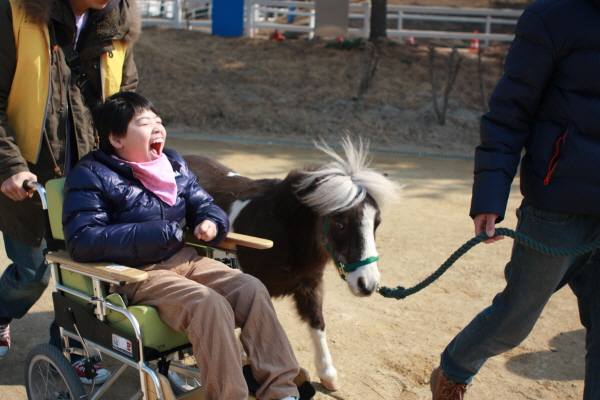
[
  {"x": 484, "y": 102},
  {"x": 370, "y": 61},
  {"x": 453, "y": 68}
]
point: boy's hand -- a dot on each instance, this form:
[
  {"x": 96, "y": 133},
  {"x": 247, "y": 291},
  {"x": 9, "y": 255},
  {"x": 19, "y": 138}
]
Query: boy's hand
[{"x": 206, "y": 230}]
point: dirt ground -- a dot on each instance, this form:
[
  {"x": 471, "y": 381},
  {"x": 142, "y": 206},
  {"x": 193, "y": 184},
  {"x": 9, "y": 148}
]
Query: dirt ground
[{"x": 386, "y": 348}]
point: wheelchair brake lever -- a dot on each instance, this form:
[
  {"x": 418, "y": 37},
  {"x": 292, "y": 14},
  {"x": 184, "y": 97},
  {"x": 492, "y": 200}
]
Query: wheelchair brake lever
[
  {"x": 71, "y": 316},
  {"x": 89, "y": 362}
]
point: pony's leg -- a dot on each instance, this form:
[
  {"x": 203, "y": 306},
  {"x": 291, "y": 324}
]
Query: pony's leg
[
  {"x": 326, "y": 371},
  {"x": 309, "y": 302}
]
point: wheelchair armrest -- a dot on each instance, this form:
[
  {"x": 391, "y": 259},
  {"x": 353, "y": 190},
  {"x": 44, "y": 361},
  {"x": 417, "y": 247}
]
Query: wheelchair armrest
[
  {"x": 103, "y": 270},
  {"x": 121, "y": 273},
  {"x": 230, "y": 242}
]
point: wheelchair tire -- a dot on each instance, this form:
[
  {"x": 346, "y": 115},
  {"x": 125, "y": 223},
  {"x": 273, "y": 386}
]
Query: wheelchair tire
[
  {"x": 49, "y": 375},
  {"x": 182, "y": 384}
]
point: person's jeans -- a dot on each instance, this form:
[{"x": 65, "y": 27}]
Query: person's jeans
[
  {"x": 532, "y": 278},
  {"x": 23, "y": 281},
  {"x": 22, "y": 284}
]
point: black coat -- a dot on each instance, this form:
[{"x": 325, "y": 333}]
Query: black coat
[
  {"x": 548, "y": 103},
  {"x": 108, "y": 215}
]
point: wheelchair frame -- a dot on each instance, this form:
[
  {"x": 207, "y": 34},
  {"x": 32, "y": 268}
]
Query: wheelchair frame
[{"x": 88, "y": 324}]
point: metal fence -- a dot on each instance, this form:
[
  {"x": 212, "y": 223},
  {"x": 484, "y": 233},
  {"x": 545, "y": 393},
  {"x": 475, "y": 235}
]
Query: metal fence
[
  {"x": 177, "y": 13},
  {"x": 299, "y": 16}
]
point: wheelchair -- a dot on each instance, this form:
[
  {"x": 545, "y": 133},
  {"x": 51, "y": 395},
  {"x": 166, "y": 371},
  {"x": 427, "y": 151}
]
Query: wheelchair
[{"x": 132, "y": 335}]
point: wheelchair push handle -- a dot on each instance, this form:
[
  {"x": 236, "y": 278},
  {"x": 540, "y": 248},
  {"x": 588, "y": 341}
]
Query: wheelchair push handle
[{"x": 33, "y": 185}]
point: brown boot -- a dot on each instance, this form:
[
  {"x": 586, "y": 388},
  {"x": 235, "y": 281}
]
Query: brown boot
[{"x": 443, "y": 389}]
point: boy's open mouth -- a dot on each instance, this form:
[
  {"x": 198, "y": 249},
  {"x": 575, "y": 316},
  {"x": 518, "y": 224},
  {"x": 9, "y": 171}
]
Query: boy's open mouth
[{"x": 156, "y": 147}]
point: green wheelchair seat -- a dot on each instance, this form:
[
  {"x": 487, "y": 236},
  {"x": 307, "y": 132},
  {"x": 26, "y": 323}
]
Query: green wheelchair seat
[{"x": 155, "y": 332}]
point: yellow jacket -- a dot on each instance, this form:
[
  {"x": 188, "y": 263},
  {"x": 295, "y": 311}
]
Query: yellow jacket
[
  {"x": 28, "y": 98},
  {"x": 40, "y": 101}
]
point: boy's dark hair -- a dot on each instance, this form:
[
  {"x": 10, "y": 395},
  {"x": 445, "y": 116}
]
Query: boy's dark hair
[{"x": 113, "y": 116}]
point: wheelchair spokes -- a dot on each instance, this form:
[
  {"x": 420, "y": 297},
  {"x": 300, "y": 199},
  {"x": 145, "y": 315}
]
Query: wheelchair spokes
[{"x": 50, "y": 376}]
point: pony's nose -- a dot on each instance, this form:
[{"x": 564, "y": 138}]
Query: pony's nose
[{"x": 363, "y": 289}]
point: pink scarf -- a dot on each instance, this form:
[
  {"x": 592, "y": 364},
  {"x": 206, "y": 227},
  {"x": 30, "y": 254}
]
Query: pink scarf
[{"x": 157, "y": 176}]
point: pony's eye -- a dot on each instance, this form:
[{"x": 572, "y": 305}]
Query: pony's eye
[{"x": 339, "y": 226}]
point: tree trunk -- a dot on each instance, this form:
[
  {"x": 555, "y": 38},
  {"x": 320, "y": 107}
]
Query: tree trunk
[{"x": 378, "y": 20}]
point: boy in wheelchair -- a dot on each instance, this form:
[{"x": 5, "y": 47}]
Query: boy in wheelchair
[{"x": 128, "y": 203}]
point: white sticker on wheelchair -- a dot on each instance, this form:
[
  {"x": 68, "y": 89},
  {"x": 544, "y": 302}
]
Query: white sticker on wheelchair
[
  {"x": 123, "y": 345},
  {"x": 117, "y": 267}
]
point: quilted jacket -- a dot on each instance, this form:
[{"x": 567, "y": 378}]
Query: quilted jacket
[
  {"x": 108, "y": 215},
  {"x": 547, "y": 104}
]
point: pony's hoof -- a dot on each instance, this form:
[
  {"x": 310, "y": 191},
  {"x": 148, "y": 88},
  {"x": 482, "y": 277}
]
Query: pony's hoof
[
  {"x": 329, "y": 379},
  {"x": 332, "y": 385}
]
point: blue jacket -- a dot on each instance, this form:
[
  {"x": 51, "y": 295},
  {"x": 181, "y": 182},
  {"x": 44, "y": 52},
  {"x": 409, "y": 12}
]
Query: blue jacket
[
  {"x": 548, "y": 103},
  {"x": 108, "y": 215}
]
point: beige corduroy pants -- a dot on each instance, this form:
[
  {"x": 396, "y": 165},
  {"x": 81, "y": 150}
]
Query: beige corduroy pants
[{"x": 207, "y": 299}]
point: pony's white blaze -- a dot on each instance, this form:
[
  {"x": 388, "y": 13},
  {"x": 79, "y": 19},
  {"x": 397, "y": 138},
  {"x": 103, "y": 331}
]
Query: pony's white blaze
[
  {"x": 364, "y": 280},
  {"x": 323, "y": 361},
  {"x": 234, "y": 210}
]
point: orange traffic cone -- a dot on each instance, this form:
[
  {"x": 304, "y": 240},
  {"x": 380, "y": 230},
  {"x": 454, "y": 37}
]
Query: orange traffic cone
[
  {"x": 474, "y": 43},
  {"x": 410, "y": 40},
  {"x": 277, "y": 36}
]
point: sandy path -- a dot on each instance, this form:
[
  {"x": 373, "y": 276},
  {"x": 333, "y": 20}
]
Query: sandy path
[{"x": 384, "y": 348}]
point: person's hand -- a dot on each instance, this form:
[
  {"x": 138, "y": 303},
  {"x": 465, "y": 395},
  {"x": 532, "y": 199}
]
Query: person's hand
[
  {"x": 487, "y": 223},
  {"x": 13, "y": 186},
  {"x": 206, "y": 230}
]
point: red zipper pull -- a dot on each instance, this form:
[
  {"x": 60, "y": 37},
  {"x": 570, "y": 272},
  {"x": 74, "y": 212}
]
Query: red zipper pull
[{"x": 554, "y": 160}]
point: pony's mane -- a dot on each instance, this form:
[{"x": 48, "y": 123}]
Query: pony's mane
[{"x": 341, "y": 184}]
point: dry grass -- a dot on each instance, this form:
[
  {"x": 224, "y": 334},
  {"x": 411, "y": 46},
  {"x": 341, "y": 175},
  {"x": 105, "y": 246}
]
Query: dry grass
[{"x": 303, "y": 90}]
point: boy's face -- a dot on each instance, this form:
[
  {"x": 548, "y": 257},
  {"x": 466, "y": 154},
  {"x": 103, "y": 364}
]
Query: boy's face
[{"x": 144, "y": 139}]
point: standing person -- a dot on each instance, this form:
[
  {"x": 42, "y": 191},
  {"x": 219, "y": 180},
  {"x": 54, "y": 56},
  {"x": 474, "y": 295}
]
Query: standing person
[
  {"x": 127, "y": 203},
  {"x": 547, "y": 103},
  {"x": 57, "y": 57}
]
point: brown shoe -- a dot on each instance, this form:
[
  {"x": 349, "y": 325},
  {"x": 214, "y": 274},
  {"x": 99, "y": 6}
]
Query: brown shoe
[{"x": 443, "y": 389}]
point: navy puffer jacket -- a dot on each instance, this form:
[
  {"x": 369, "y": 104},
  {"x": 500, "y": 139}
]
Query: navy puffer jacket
[
  {"x": 108, "y": 215},
  {"x": 548, "y": 103}
]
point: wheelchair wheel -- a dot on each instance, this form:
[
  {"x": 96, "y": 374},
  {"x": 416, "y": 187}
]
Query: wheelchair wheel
[
  {"x": 181, "y": 383},
  {"x": 50, "y": 376}
]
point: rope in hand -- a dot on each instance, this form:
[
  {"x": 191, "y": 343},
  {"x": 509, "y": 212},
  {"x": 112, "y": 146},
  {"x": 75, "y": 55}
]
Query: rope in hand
[{"x": 400, "y": 292}]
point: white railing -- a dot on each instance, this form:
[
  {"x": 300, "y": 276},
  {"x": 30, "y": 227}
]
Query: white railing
[
  {"x": 270, "y": 15},
  {"x": 265, "y": 14},
  {"x": 177, "y": 13},
  {"x": 489, "y": 18}
]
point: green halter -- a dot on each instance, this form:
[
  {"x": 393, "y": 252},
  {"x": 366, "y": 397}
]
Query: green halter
[{"x": 342, "y": 268}]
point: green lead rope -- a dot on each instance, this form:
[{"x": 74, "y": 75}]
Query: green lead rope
[{"x": 400, "y": 292}]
